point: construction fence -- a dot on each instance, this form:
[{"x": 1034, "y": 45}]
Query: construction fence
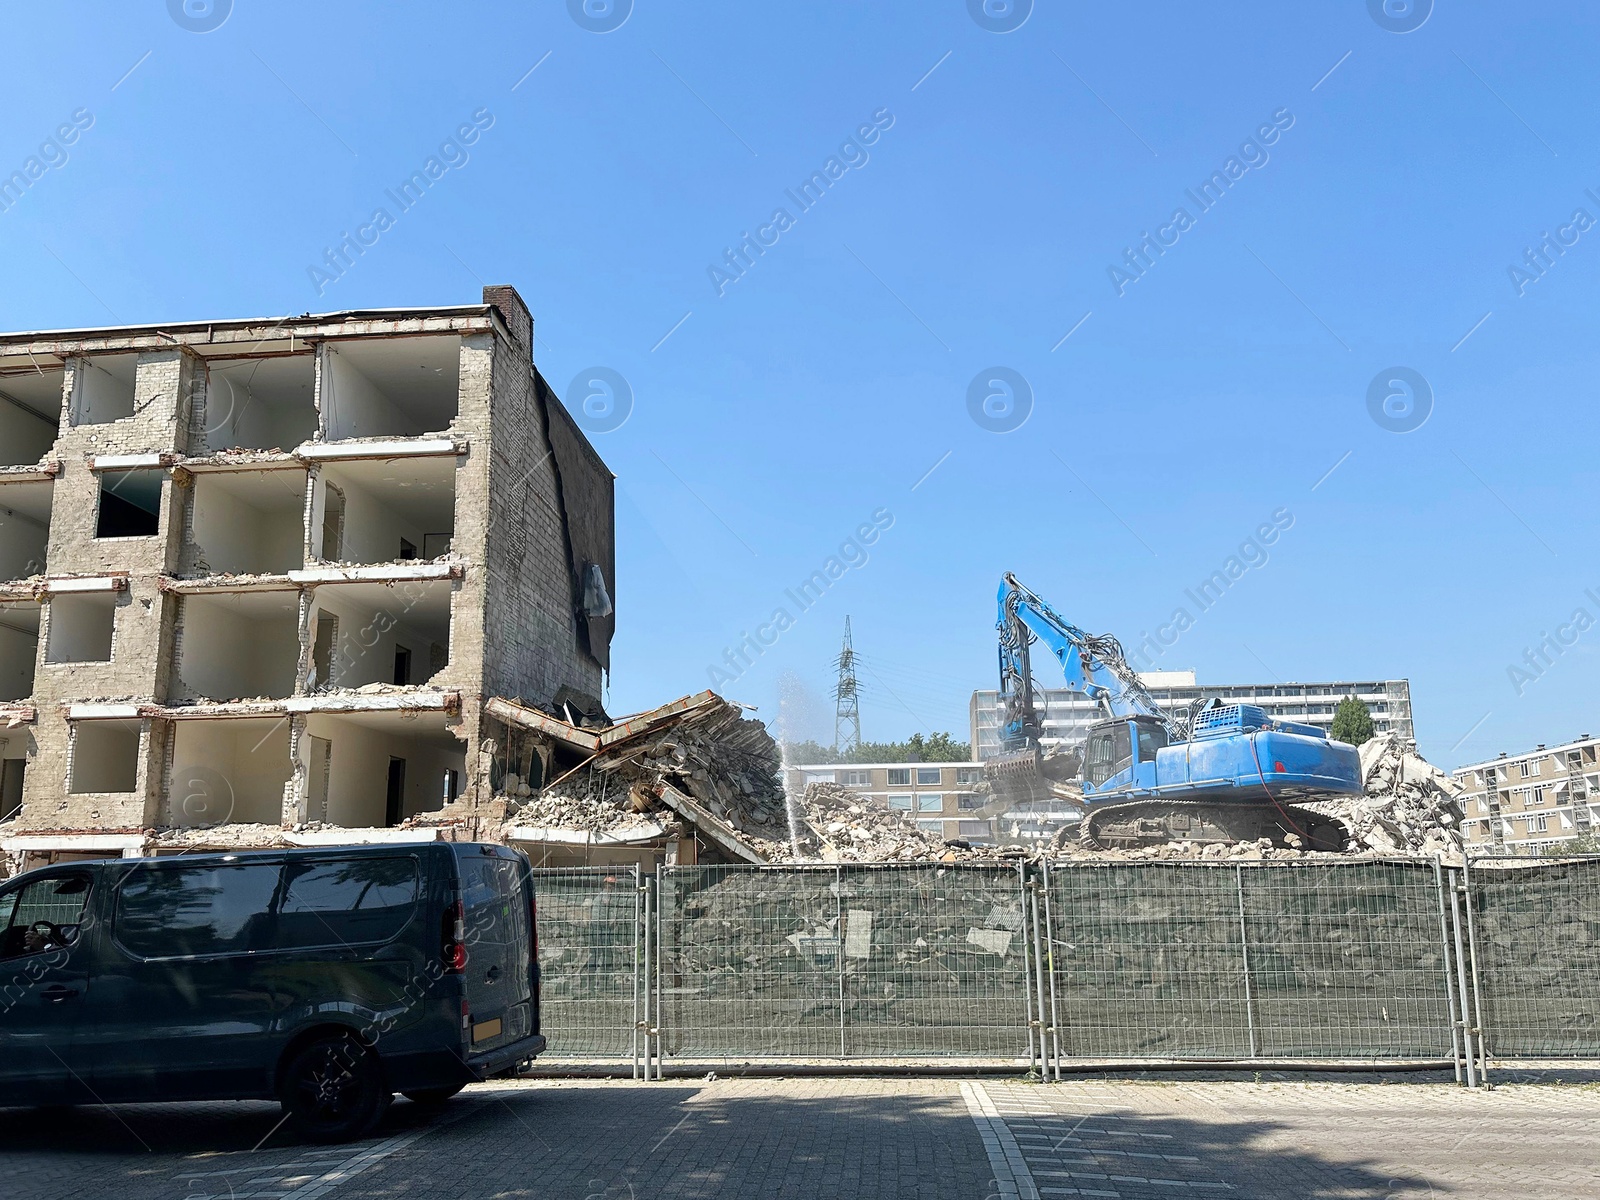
[{"x": 1049, "y": 962}]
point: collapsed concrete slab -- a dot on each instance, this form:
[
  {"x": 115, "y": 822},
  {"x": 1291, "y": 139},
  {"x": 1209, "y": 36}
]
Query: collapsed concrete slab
[
  {"x": 691, "y": 781},
  {"x": 1410, "y": 805}
]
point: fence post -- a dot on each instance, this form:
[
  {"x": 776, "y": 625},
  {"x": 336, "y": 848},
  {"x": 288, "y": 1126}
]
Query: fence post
[
  {"x": 1461, "y": 986},
  {"x": 838, "y": 952},
  {"x": 653, "y": 982},
  {"x": 1050, "y": 973},
  {"x": 1472, "y": 968},
  {"x": 638, "y": 952},
  {"x": 647, "y": 983},
  {"x": 1444, "y": 946},
  {"x": 1244, "y": 949},
  {"x": 1032, "y": 916},
  {"x": 1027, "y": 968}
]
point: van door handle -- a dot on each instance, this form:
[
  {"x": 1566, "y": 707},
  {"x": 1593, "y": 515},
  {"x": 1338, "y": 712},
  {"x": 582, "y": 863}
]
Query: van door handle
[{"x": 57, "y": 992}]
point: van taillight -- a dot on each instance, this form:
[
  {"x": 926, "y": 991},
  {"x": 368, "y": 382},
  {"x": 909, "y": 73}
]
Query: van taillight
[{"x": 454, "y": 951}]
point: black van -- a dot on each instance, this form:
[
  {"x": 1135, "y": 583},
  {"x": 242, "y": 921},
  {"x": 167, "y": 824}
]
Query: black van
[{"x": 327, "y": 979}]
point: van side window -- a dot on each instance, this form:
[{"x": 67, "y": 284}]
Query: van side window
[
  {"x": 44, "y": 915},
  {"x": 176, "y": 912},
  {"x": 361, "y": 900}
]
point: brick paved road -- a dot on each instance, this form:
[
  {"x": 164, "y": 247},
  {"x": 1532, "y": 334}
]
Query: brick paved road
[{"x": 927, "y": 1138}]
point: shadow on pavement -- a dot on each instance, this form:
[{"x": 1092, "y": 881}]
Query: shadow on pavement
[
  {"x": 220, "y": 1127},
  {"x": 767, "y": 1138}
]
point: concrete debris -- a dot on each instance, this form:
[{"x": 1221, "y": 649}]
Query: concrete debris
[
  {"x": 663, "y": 767},
  {"x": 1410, "y": 806},
  {"x": 839, "y": 825},
  {"x": 697, "y": 769}
]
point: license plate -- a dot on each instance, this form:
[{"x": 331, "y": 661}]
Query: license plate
[{"x": 485, "y": 1031}]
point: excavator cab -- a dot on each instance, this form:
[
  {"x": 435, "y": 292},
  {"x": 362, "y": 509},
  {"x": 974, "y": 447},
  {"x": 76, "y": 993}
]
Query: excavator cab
[{"x": 1114, "y": 746}]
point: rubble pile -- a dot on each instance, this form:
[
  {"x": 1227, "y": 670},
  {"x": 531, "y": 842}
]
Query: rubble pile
[
  {"x": 698, "y": 762},
  {"x": 699, "y": 768},
  {"x": 1410, "y": 806},
  {"x": 842, "y": 826},
  {"x": 1066, "y": 844}
]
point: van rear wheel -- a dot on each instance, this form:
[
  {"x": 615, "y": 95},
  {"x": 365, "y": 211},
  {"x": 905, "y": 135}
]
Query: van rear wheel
[
  {"x": 432, "y": 1097},
  {"x": 332, "y": 1089}
]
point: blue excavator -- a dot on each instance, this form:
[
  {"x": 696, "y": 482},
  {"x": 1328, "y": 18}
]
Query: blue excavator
[{"x": 1224, "y": 773}]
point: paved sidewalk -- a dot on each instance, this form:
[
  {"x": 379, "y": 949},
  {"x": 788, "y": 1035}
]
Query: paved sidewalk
[{"x": 825, "y": 1137}]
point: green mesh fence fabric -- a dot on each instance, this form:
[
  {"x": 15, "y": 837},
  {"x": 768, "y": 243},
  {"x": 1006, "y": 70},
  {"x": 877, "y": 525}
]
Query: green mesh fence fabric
[
  {"x": 1149, "y": 960},
  {"x": 1537, "y": 929},
  {"x": 916, "y": 961},
  {"x": 1347, "y": 961},
  {"x": 588, "y": 947}
]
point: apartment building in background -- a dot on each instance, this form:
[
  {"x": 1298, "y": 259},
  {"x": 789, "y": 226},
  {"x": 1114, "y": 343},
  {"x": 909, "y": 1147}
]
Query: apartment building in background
[
  {"x": 937, "y": 795},
  {"x": 944, "y": 798},
  {"x": 1531, "y": 803},
  {"x": 1067, "y": 715},
  {"x": 262, "y": 574}
]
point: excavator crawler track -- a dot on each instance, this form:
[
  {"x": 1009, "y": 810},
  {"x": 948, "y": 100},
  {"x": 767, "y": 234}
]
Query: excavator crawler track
[{"x": 1138, "y": 823}]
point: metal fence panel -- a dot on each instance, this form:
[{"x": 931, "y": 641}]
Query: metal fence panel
[
  {"x": 1537, "y": 950},
  {"x": 850, "y": 961},
  {"x": 933, "y": 961},
  {"x": 1148, "y": 961},
  {"x": 588, "y": 958},
  {"x": 749, "y": 962},
  {"x": 1347, "y": 960}
]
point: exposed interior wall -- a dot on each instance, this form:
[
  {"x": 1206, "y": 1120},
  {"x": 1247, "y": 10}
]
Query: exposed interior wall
[
  {"x": 105, "y": 756},
  {"x": 248, "y": 522},
  {"x": 233, "y": 770},
  {"x": 105, "y": 389},
  {"x": 260, "y": 404},
  {"x": 413, "y": 616},
  {"x": 352, "y": 405},
  {"x": 28, "y": 427},
  {"x": 389, "y": 387},
  {"x": 360, "y": 750},
  {"x": 381, "y": 512},
  {"x": 24, "y": 529},
  {"x": 19, "y": 649},
  {"x": 237, "y": 647},
  {"x": 13, "y": 772},
  {"x": 82, "y": 627}
]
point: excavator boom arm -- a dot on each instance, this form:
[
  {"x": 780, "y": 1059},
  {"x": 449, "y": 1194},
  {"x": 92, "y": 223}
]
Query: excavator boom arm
[{"x": 1092, "y": 663}]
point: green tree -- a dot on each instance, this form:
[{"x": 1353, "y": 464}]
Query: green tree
[
  {"x": 809, "y": 752},
  {"x": 936, "y": 747},
  {"x": 1584, "y": 843},
  {"x": 1352, "y": 722}
]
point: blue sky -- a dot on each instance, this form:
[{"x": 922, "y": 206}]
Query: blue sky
[{"x": 1408, "y": 173}]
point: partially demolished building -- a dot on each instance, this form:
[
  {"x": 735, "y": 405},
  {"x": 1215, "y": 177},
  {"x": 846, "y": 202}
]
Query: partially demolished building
[{"x": 259, "y": 578}]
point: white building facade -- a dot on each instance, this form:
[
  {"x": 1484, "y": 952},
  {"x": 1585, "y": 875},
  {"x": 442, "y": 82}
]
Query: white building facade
[{"x": 1066, "y": 715}]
